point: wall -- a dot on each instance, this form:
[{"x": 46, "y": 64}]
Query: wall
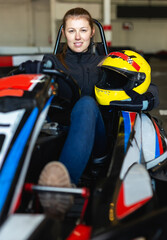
[
  {"x": 24, "y": 23},
  {"x": 34, "y": 23},
  {"x": 146, "y": 35}
]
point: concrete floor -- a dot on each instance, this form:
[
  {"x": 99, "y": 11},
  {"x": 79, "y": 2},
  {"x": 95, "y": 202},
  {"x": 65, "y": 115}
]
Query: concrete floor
[{"x": 159, "y": 77}]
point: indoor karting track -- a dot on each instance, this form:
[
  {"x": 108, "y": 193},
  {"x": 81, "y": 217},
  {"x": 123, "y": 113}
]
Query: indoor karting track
[{"x": 159, "y": 77}]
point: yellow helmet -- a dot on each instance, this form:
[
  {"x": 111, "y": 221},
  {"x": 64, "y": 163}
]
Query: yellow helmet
[{"x": 122, "y": 70}]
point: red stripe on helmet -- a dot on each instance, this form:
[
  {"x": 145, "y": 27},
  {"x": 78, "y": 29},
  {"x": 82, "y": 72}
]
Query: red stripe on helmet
[{"x": 126, "y": 58}]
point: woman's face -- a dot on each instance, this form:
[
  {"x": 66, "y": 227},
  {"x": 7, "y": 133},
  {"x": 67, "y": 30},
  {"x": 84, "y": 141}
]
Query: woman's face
[{"x": 78, "y": 33}]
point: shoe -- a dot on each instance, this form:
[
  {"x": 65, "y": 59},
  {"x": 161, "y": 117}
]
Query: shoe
[{"x": 55, "y": 174}]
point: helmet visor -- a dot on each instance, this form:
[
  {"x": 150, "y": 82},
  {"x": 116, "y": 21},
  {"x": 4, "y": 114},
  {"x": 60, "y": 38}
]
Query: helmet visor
[{"x": 116, "y": 79}]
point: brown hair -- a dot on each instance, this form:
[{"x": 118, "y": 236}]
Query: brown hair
[{"x": 74, "y": 12}]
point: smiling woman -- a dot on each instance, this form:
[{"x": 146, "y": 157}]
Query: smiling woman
[
  {"x": 77, "y": 57},
  {"x": 78, "y": 33},
  {"x": 86, "y": 135}
]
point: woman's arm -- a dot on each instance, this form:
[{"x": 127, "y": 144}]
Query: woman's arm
[{"x": 152, "y": 95}]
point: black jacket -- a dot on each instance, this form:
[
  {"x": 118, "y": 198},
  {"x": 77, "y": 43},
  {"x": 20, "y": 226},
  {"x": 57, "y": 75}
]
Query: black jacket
[{"x": 82, "y": 67}]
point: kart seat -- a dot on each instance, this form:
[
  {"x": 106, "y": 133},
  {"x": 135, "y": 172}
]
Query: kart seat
[{"x": 96, "y": 169}]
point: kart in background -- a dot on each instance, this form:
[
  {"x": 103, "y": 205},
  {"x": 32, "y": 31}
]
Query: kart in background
[{"x": 123, "y": 197}]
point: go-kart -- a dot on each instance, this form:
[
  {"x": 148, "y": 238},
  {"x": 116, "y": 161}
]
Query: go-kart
[{"x": 122, "y": 197}]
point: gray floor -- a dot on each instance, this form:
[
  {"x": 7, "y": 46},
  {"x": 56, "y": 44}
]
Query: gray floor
[{"x": 159, "y": 77}]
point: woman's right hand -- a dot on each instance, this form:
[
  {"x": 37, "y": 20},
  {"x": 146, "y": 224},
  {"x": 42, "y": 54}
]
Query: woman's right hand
[{"x": 31, "y": 67}]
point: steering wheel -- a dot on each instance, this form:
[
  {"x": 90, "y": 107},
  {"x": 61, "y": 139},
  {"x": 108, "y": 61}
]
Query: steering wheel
[
  {"x": 68, "y": 88},
  {"x": 67, "y": 94}
]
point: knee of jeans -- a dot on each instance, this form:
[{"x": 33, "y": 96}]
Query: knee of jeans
[{"x": 86, "y": 102}]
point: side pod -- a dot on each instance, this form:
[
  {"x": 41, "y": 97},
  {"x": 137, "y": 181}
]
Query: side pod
[{"x": 154, "y": 142}]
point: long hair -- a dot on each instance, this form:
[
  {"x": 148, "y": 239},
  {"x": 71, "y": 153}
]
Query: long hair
[{"x": 74, "y": 12}]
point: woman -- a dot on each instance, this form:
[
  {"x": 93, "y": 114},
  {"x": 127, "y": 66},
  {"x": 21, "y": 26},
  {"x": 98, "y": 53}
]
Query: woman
[
  {"x": 77, "y": 57},
  {"x": 87, "y": 127}
]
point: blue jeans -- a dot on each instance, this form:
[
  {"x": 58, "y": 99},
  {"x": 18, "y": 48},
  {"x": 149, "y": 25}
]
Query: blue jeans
[{"x": 86, "y": 133}]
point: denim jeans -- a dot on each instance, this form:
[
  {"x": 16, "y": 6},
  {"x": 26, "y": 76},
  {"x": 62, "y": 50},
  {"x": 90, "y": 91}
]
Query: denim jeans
[{"x": 86, "y": 133}]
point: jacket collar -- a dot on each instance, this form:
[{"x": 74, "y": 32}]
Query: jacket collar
[{"x": 78, "y": 57}]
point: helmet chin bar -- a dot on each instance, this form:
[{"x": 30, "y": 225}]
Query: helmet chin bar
[{"x": 137, "y": 79}]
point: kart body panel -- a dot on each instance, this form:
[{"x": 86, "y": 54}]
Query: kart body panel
[{"x": 19, "y": 128}]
